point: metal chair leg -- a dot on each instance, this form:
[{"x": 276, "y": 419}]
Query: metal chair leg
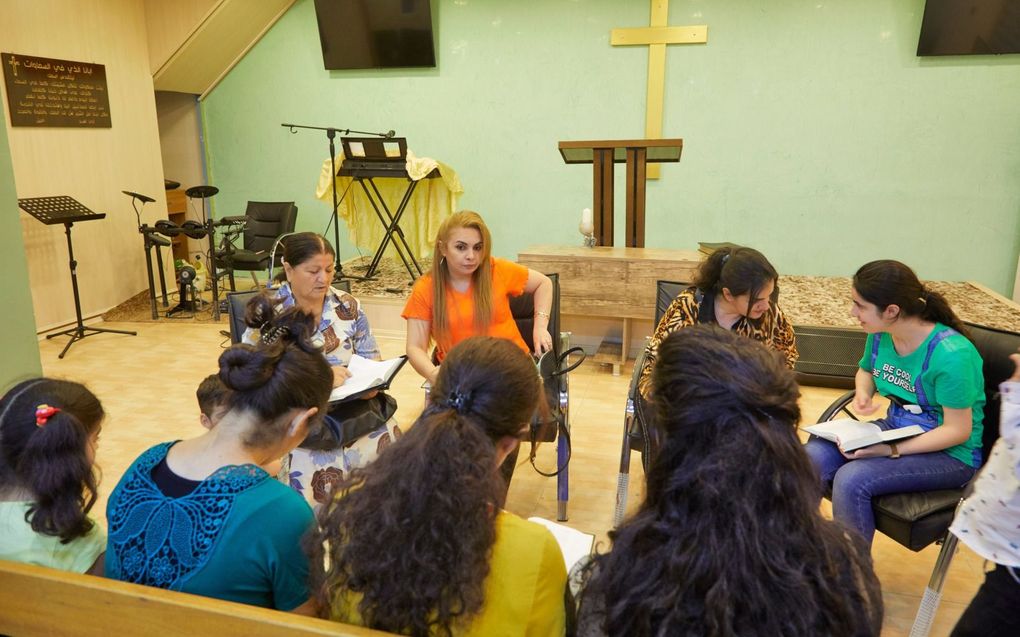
[
  {"x": 933, "y": 593},
  {"x": 623, "y": 480},
  {"x": 562, "y": 445}
]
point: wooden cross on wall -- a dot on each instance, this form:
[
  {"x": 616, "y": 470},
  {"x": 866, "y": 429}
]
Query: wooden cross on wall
[{"x": 656, "y": 36}]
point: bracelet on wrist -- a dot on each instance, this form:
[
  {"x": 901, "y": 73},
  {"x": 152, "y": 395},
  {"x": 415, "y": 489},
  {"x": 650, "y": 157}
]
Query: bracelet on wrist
[{"x": 542, "y": 314}]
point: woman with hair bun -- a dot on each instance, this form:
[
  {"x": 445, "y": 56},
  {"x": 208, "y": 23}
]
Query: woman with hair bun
[
  {"x": 729, "y": 539},
  {"x": 917, "y": 355},
  {"x": 417, "y": 542},
  {"x": 201, "y": 515},
  {"x": 737, "y": 289},
  {"x": 49, "y": 430}
]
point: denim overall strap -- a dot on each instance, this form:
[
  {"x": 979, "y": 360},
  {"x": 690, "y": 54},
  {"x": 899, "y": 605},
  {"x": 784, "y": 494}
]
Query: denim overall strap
[
  {"x": 922, "y": 398},
  {"x": 875, "y": 340}
]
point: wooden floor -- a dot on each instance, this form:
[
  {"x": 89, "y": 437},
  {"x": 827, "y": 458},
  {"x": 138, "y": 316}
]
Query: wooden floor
[{"x": 147, "y": 384}]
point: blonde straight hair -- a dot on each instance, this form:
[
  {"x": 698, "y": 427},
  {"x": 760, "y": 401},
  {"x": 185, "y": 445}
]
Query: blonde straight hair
[{"x": 481, "y": 283}]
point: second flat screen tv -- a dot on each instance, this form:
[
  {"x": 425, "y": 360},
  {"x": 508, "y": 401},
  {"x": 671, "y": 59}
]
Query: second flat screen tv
[
  {"x": 970, "y": 27},
  {"x": 375, "y": 34}
]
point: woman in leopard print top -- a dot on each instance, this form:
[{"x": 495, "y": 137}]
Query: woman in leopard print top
[{"x": 735, "y": 288}]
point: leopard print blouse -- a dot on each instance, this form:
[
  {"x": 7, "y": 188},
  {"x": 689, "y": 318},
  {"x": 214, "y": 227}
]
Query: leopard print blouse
[{"x": 772, "y": 330}]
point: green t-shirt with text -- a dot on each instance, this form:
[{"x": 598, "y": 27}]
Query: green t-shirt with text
[{"x": 953, "y": 379}]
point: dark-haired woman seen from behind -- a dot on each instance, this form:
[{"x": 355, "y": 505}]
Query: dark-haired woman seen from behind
[
  {"x": 417, "y": 543},
  {"x": 729, "y": 539},
  {"x": 736, "y": 289},
  {"x": 200, "y": 515},
  {"x": 918, "y": 355},
  {"x": 49, "y": 430}
]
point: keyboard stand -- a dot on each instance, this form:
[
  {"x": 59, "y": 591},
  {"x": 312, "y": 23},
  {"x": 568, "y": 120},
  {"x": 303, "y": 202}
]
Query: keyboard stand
[{"x": 390, "y": 220}]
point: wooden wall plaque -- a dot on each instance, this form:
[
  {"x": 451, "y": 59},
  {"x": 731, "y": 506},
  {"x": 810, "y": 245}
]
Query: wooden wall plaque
[{"x": 49, "y": 92}]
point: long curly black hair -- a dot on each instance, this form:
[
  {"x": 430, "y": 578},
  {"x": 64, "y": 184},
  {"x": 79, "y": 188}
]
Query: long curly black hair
[
  {"x": 412, "y": 533},
  {"x": 729, "y": 539}
]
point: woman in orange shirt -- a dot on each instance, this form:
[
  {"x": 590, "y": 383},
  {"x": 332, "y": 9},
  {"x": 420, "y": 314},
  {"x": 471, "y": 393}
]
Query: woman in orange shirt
[{"x": 467, "y": 293}]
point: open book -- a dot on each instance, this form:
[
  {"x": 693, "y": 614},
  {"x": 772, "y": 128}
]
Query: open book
[
  {"x": 853, "y": 434},
  {"x": 367, "y": 375},
  {"x": 575, "y": 545}
]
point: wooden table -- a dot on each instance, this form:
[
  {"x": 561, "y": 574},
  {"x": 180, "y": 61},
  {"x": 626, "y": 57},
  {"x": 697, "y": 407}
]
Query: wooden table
[{"x": 611, "y": 282}]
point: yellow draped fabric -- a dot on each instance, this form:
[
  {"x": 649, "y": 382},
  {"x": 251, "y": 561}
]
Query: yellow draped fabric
[{"x": 432, "y": 202}]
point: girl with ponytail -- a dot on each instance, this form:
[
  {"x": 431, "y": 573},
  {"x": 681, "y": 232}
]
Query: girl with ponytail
[
  {"x": 917, "y": 355},
  {"x": 416, "y": 543},
  {"x": 49, "y": 430},
  {"x": 201, "y": 515}
]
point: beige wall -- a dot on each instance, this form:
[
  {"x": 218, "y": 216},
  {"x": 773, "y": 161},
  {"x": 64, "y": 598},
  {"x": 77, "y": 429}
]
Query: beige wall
[
  {"x": 170, "y": 22},
  {"x": 93, "y": 165},
  {"x": 180, "y": 138}
]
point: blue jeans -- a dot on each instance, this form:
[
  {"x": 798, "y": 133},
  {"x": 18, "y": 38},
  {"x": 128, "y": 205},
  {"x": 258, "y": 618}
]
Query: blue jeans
[{"x": 855, "y": 482}]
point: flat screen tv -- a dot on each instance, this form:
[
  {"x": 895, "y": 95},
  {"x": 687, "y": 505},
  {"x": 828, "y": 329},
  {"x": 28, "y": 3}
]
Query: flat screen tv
[
  {"x": 375, "y": 34},
  {"x": 970, "y": 27}
]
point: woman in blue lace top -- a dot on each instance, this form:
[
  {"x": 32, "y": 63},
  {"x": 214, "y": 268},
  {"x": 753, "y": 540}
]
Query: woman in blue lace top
[{"x": 201, "y": 515}]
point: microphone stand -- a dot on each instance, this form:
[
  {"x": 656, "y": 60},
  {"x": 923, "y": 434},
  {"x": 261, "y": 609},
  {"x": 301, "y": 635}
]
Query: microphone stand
[{"x": 331, "y": 134}]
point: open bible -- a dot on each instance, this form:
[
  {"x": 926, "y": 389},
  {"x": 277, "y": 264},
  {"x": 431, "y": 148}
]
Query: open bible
[
  {"x": 366, "y": 375},
  {"x": 575, "y": 545},
  {"x": 852, "y": 434}
]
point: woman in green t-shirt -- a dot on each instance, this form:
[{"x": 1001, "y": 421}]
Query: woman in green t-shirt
[{"x": 918, "y": 356}]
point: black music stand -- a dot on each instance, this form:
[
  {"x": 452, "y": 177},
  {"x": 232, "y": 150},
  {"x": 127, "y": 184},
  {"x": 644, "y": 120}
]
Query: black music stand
[
  {"x": 372, "y": 163},
  {"x": 65, "y": 210}
]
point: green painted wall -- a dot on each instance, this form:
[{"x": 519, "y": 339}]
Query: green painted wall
[
  {"x": 18, "y": 340},
  {"x": 811, "y": 129}
]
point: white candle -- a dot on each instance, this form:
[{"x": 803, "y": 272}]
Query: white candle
[{"x": 587, "y": 226}]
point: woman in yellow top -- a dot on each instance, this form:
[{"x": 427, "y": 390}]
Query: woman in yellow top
[{"x": 417, "y": 542}]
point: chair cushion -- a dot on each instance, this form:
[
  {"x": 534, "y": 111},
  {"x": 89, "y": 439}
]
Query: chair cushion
[
  {"x": 915, "y": 520},
  {"x": 248, "y": 260}
]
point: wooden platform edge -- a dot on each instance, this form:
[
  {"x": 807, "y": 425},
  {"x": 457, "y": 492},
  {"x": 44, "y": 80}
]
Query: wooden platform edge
[{"x": 42, "y": 601}]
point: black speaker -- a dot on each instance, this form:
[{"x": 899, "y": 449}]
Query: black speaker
[{"x": 829, "y": 356}]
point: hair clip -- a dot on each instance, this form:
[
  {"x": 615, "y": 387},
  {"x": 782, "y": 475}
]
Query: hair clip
[
  {"x": 726, "y": 257},
  {"x": 43, "y": 413},
  {"x": 274, "y": 334},
  {"x": 459, "y": 401}
]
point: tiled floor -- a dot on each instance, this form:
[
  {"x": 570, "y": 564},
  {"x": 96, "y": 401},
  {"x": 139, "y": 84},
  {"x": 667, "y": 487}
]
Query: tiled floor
[{"x": 147, "y": 384}]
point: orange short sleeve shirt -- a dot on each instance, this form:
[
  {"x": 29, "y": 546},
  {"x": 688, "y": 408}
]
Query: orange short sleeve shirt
[{"x": 508, "y": 279}]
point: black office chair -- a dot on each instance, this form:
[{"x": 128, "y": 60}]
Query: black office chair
[
  {"x": 238, "y": 301},
  {"x": 265, "y": 222},
  {"x": 554, "y": 368},
  {"x": 635, "y": 420},
  {"x": 916, "y": 520}
]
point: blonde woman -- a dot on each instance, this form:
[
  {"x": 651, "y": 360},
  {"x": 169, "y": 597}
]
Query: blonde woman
[{"x": 467, "y": 293}]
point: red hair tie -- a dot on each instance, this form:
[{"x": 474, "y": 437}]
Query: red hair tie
[{"x": 43, "y": 413}]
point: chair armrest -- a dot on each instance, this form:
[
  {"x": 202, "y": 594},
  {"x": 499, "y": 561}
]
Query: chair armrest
[{"x": 639, "y": 364}]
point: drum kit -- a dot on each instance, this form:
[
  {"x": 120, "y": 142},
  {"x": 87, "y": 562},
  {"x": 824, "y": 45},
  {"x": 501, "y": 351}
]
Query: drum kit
[{"x": 161, "y": 235}]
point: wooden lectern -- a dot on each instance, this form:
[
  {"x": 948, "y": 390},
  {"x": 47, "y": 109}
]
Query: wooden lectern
[{"x": 602, "y": 155}]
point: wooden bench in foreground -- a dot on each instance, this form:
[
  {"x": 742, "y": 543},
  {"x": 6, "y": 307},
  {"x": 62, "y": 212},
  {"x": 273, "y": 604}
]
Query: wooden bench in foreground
[{"x": 41, "y": 601}]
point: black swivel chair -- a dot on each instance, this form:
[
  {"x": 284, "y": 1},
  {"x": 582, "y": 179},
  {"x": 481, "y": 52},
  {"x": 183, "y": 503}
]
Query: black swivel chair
[
  {"x": 265, "y": 222},
  {"x": 916, "y": 520},
  {"x": 635, "y": 420},
  {"x": 554, "y": 369}
]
